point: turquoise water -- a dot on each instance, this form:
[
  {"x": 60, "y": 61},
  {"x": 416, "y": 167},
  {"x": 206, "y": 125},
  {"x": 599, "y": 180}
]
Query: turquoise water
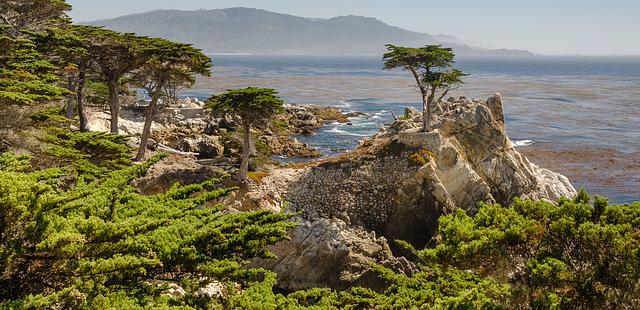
[{"x": 577, "y": 102}]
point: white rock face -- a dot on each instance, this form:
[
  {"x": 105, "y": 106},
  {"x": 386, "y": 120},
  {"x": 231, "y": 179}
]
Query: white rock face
[
  {"x": 470, "y": 160},
  {"x": 129, "y": 123},
  {"x": 214, "y": 289},
  {"x": 329, "y": 252},
  {"x": 474, "y": 160}
]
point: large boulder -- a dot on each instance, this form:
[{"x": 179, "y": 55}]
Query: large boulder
[
  {"x": 175, "y": 169},
  {"x": 290, "y": 147},
  {"x": 205, "y": 145},
  {"x": 331, "y": 253}
]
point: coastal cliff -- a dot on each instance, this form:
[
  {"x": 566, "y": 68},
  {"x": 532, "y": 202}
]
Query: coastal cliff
[{"x": 395, "y": 186}]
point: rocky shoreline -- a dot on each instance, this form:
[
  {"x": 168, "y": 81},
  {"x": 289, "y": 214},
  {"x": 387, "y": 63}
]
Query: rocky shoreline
[
  {"x": 394, "y": 187},
  {"x": 186, "y": 127}
]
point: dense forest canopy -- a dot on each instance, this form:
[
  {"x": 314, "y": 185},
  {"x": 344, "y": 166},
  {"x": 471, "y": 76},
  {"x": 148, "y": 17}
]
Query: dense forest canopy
[{"x": 76, "y": 234}]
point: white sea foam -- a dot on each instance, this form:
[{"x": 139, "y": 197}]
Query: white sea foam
[
  {"x": 339, "y": 131},
  {"x": 365, "y": 124},
  {"x": 522, "y": 143},
  {"x": 345, "y": 103}
]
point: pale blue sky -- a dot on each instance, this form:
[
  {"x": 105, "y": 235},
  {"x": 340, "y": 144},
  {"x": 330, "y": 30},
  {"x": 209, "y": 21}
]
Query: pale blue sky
[{"x": 556, "y": 27}]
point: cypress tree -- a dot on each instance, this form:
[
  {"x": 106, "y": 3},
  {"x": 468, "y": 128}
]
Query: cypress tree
[
  {"x": 254, "y": 106},
  {"x": 172, "y": 65}
]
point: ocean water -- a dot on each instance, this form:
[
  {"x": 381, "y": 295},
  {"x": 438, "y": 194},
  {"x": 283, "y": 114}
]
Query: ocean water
[{"x": 564, "y": 105}]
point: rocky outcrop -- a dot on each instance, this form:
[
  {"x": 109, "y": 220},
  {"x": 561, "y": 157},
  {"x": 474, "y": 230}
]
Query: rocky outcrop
[
  {"x": 473, "y": 158},
  {"x": 306, "y": 119},
  {"x": 267, "y": 194},
  {"x": 176, "y": 169},
  {"x": 397, "y": 184},
  {"x": 287, "y": 146}
]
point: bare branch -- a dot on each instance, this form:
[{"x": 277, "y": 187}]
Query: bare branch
[{"x": 450, "y": 88}]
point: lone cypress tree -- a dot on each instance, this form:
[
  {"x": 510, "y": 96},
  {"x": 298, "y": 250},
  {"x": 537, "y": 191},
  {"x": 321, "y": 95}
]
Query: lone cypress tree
[
  {"x": 254, "y": 106},
  {"x": 431, "y": 66}
]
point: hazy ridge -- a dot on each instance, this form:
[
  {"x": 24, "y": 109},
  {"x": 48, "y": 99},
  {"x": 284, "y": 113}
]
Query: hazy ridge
[{"x": 244, "y": 30}]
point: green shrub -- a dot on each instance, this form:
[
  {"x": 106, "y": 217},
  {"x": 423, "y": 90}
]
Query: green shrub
[
  {"x": 576, "y": 255},
  {"x": 104, "y": 245},
  {"x": 10, "y": 162},
  {"x": 90, "y": 154},
  {"x": 263, "y": 148},
  {"x": 279, "y": 124},
  {"x": 50, "y": 116}
]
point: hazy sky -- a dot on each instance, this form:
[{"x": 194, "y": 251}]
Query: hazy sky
[{"x": 555, "y": 27}]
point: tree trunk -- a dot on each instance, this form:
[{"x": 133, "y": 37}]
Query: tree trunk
[
  {"x": 114, "y": 104},
  {"x": 84, "y": 123},
  {"x": 70, "y": 99},
  {"x": 426, "y": 116},
  {"x": 428, "y": 102},
  {"x": 246, "y": 154},
  {"x": 146, "y": 132}
]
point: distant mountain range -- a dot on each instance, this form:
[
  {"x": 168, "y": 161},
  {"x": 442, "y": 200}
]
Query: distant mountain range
[{"x": 244, "y": 30}]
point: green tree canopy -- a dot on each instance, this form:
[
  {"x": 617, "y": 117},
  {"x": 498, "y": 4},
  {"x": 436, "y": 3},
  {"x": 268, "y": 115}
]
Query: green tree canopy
[
  {"x": 74, "y": 49},
  {"x": 431, "y": 67},
  {"x": 26, "y": 77},
  {"x": 254, "y": 106},
  {"x": 18, "y": 16}
]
